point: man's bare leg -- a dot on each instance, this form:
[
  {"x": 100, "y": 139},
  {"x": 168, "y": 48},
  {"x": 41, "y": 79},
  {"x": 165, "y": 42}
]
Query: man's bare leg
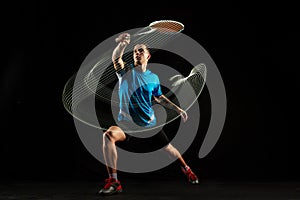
[
  {"x": 184, "y": 167},
  {"x": 110, "y": 137}
]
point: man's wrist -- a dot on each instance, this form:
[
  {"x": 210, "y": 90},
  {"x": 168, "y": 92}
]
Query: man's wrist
[
  {"x": 122, "y": 44},
  {"x": 179, "y": 110}
]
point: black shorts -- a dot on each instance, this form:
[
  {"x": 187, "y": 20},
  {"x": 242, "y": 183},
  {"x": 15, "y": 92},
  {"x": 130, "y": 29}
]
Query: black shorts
[{"x": 145, "y": 144}]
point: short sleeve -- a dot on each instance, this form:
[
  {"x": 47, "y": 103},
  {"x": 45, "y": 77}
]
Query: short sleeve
[
  {"x": 157, "y": 89},
  {"x": 121, "y": 72}
]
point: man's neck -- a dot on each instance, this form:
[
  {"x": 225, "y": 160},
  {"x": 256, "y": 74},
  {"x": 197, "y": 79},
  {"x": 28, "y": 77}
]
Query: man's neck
[{"x": 142, "y": 68}]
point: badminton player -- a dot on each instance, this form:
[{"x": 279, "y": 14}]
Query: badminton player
[{"x": 137, "y": 86}]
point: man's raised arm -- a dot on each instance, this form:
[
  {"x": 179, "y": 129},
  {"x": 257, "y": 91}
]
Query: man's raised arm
[{"x": 123, "y": 40}]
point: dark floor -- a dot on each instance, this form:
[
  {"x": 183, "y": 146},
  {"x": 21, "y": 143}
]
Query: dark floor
[{"x": 151, "y": 189}]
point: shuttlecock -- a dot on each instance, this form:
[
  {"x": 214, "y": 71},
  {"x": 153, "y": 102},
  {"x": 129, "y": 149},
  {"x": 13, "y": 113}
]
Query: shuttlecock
[{"x": 180, "y": 79}]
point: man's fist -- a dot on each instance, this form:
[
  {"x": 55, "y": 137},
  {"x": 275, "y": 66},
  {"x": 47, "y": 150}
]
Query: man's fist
[{"x": 124, "y": 37}]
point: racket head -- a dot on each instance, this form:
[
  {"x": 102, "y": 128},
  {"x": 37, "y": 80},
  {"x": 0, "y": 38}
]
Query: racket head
[{"x": 167, "y": 26}]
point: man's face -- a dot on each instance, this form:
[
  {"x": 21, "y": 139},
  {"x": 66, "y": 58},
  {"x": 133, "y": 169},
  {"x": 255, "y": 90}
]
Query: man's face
[{"x": 140, "y": 54}]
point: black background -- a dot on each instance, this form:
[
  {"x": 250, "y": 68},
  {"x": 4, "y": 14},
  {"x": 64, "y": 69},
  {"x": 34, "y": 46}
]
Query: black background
[{"x": 254, "y": 46}]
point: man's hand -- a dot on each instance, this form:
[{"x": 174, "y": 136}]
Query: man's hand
[
  {"x": 183, "y": 115},
  {"x": 124, "y": 38}
]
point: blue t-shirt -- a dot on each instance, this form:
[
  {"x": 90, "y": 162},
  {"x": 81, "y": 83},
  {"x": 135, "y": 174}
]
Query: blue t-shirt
[{"x": 136, "y": 89}]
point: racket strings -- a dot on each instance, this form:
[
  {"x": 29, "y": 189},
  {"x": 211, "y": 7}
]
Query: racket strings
[{"x": 167, "y": 26}]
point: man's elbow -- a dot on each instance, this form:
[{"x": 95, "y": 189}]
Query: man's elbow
[{"x": 157, "y": 99}]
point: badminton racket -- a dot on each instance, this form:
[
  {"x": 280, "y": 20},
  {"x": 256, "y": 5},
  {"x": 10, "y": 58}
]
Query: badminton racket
[{"x": 161, "y": 26}]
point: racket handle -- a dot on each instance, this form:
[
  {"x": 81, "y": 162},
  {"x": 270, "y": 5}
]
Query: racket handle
[
  {"x": 119, "y": 39},
  {"x": 146, "y": 32}
]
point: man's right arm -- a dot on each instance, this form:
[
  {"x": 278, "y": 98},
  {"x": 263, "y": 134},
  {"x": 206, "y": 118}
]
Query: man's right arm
[{"x": 123, "y": 40}]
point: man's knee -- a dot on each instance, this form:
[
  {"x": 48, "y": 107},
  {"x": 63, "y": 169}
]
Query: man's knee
[
  {"x": 107, "y": 135},
  {"x": 169, "y": 147},
  {"x": 114, "y": 134}
]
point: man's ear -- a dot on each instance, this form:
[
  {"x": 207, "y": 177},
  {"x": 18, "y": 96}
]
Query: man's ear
[{"x": 149, "y": 56}]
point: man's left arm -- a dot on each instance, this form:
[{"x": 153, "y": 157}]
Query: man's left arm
[{"x": 164, "y": 101}]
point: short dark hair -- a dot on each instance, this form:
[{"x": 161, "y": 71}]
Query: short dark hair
[{"x": 146, "y": 46}]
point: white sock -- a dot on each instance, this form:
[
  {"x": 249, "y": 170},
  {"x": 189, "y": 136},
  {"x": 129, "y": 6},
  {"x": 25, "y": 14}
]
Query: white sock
[
  {"x": 186, "y": 168},
  {"x": 113, "y": 175}
]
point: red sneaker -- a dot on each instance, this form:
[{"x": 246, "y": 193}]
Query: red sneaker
[
  {"x": 112, "y": 186},
  {"x": 192, "y": 178}
]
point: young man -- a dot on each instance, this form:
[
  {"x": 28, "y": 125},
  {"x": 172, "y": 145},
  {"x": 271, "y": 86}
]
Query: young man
[{"x": 137, "y": 86}]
